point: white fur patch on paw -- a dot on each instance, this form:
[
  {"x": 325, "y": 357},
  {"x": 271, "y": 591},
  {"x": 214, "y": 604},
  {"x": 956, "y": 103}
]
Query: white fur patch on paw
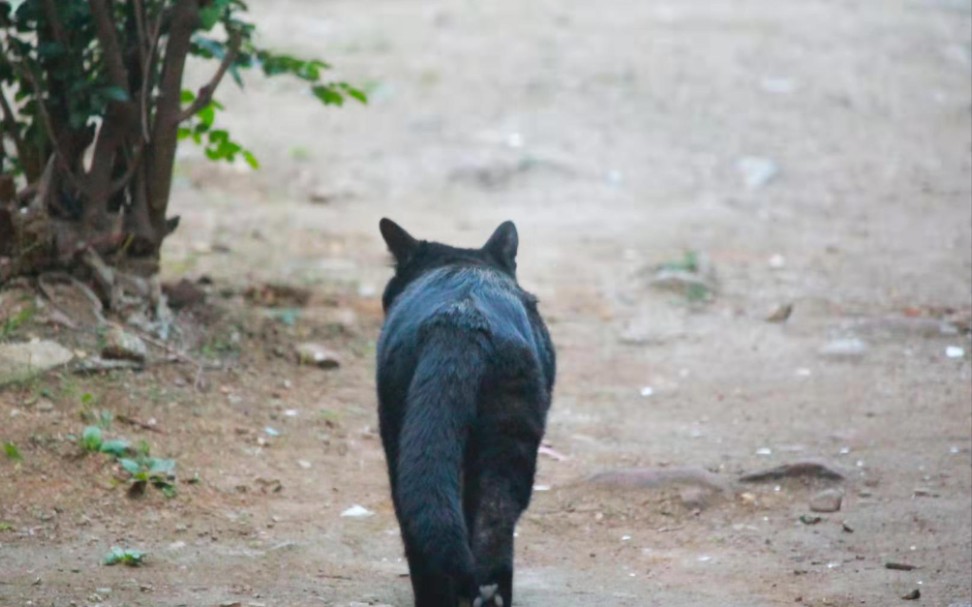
[{"x": 488, "y": 597}]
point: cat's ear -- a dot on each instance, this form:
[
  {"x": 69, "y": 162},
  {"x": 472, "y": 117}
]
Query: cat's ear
[
  {"x": 502, "y": 245},
  {"x": 401, "y": 244}
]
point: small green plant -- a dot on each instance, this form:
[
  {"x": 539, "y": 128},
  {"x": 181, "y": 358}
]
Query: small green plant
[
  {"x": 12, "y": 452},
  {"x": 124, "y": 556},
  {"x": 698, "y": 293},
  {"x": 10, "y": 325},
  {"x": 102, "y": 418},
  {"x": 222, "y": 343},
  {"x": 144, "y": 470},
  {"x": 693, "y": 284},
  {"x": 688, "y": 263},
  {"x": 91, "y": 439},
  {"x": 5, "y": 526}
]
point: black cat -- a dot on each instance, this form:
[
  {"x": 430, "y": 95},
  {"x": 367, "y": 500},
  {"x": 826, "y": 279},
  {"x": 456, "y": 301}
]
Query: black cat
[{"x": 465, "y": 373}]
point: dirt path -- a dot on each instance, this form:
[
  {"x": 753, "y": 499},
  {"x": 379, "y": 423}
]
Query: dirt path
[{"x": 618, "y": 135}]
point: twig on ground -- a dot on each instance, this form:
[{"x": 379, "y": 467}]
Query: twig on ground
[{"x": 138, "y": 423}]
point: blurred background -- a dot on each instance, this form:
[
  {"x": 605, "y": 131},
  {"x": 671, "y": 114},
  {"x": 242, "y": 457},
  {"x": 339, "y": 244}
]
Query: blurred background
[{"x": 749, "y": 224}]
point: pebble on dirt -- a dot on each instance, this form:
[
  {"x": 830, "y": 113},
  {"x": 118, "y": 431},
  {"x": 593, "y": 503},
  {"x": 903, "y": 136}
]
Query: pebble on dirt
[
  {"x": 846, "y": 348},
  {"x": 781, "y": 313},
  {"x": 757, "y": 171},
  {"x": 122, "y": 345},
  {"x": 828, "y": 500},
  {"x": 914, "y": 595},
  {"x": 317, "y": 355},
  {"x": 183, "y": 294}
]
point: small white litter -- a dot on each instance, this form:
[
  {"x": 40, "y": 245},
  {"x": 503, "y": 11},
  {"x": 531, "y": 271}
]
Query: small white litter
[
  {"x": 357, "y": 511},
  {"x": 955, "y": 352}
]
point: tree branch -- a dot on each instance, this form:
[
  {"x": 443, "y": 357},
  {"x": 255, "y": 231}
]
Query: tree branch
[
  {"x": 147, "y": 73},
  {"x": 119, "y": 123},
  {"x": 110, "y": 50},
  {"x": 54, "y": 22},
  {"x": 142, "y": 42},
  {"x": 205, "y": 94},
  {"x": 118, "y": 184},
  {"x": 165, "y": 131},
  {"x": 62, "y": 160}
]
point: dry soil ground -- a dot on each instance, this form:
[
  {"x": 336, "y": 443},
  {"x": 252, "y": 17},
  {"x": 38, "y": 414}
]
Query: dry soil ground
[{"x": 817, "y": 152}]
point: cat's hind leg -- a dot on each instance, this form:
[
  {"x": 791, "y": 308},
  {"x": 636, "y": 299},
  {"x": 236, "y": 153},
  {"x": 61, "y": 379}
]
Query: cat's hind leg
[{"x": 502, "y": 481}]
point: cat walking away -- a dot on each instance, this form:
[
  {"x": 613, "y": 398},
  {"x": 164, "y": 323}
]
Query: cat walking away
[{"x": 465, "y": 374}]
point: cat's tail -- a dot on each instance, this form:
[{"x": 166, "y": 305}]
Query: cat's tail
[{"x": 441, "y": 406}]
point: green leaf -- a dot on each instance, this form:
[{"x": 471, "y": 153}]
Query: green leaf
[
  {"x": 187, "y": 96},
  {"x": 234, "y": 71},
  {"x": 207, "y": 114},
  {"x": 13, "y": 453},
  {"x": 129, "y": 465},
  {"x": 161, "y": 466},
  {"x": 210, "y": 48},
  {"x": 228, "y": 149},
  {"x": 116, "y": 447},
  {"x": 327, "y": 95},
  {"x": 91, "y": 439},
  {"x": 251, "y": 159},
  {"x": 209, "y": 16},
  {"x": 358, "y": 94},
  {"x": 127, "y": 556},
  {"x": 115, "y": 93}
]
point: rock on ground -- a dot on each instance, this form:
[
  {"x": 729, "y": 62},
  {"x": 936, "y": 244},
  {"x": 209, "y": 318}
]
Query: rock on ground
[{"x": 22, "y": 361}]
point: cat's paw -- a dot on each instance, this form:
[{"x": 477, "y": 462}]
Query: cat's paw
[{"x": 488, "y": 597}]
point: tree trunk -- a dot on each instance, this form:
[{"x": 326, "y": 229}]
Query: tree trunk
[{"x": 160, "y": 157}]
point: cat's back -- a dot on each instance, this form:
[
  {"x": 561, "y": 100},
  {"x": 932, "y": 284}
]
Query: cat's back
[{"x": 463, "y": 299}]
